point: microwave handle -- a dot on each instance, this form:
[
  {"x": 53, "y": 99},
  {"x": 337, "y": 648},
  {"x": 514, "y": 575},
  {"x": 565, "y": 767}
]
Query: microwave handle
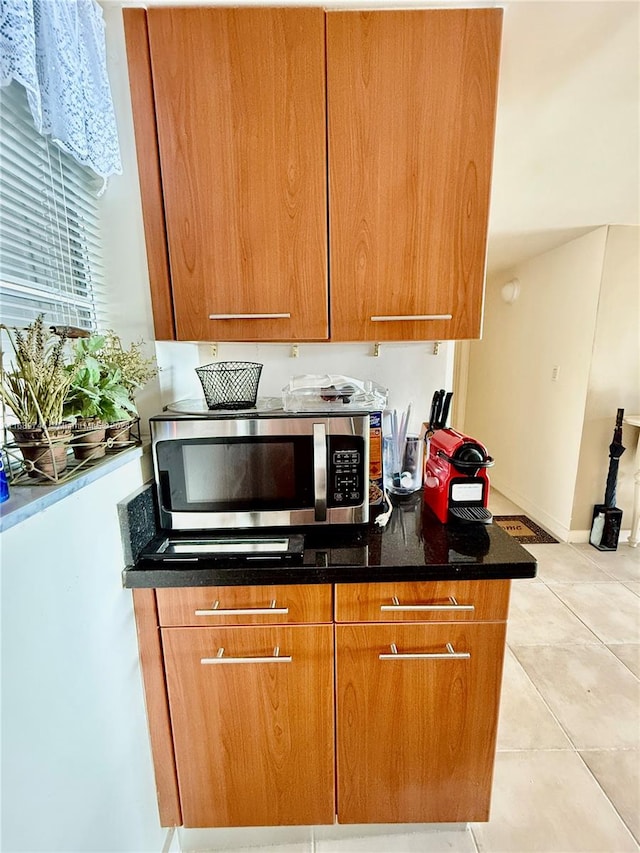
[{"x": 320, "y": 471}]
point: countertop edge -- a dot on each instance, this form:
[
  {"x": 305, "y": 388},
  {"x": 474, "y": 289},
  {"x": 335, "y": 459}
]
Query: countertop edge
[{"x": 135, "y": 577}]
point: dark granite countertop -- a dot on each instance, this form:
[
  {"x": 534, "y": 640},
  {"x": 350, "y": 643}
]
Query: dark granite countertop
[{"x": 414, "y": 546}]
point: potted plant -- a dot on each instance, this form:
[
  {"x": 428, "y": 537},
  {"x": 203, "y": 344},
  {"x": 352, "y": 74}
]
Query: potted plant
[
  {"x": 34, "y": 388},
  {"x": 134, "y": 372},
  {"x": 96, "y": 397}
]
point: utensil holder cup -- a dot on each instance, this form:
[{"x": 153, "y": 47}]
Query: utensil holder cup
[{"x": 402, "y": 465}]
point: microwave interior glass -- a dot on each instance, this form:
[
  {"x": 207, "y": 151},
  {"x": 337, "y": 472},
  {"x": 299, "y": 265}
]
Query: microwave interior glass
[{"x": 240, "y": 474}]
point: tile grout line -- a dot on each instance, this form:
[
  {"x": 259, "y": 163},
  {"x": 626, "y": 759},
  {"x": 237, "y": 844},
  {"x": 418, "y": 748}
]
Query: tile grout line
[
  {"x": 579, "y": 618},
  {"x": 574, "y": 748},
  {"x": 474, "y": 839},
  {"x": 545, "y": 703},
  {"x": 600, "y": 642},
  {"x": 624, "y": 663},
  {"x": 607, "y": 797},
  {"x": 588, "y": 557}
]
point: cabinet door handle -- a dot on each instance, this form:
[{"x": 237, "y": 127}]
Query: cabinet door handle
[
  {"x": 389, "y": 318},
  {"x": 398, "y": 608},
  {"x": 320, "y": 471},
  {"x": 249, "y": 316},
  {"x": 242, "y": 611},
  {"x": 450, "y": 654},
  {"x": 276, "y": 657}
]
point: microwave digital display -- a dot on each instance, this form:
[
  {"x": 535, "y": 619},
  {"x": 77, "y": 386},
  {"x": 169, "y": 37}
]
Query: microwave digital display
[{"x": 237, "y": 473}]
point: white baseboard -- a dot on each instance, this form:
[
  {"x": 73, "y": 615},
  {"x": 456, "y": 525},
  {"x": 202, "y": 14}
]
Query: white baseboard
[
  {"x": 577, "y": 537},
  {"x": 231, "y": 838},
  {"x": 536, "y": 513},
  {"x": 550, "y": 524}
]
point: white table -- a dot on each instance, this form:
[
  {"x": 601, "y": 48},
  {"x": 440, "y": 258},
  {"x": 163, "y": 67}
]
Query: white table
[{"x": 634, "y": 536}]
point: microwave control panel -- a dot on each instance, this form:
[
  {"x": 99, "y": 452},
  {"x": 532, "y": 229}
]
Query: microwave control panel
[{"x": 346, "y": 486}]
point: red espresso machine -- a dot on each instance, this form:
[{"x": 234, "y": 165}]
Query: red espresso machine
[{"x": 456, "y": 483}]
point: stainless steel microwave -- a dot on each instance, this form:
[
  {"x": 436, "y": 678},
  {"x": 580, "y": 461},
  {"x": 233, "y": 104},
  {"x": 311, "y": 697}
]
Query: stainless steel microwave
[{"x": 241, "y": 470}]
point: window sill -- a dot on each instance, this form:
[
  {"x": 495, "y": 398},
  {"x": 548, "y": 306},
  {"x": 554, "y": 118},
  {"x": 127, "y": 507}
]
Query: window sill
[{"x": 26, "y": 501}]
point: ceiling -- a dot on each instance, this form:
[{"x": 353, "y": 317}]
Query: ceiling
[{"x": 567, "y": 151}]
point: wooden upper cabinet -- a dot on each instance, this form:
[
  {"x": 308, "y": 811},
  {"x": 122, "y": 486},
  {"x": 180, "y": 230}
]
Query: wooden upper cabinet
[
  {"x": 241, "y": 122},
  {"x": 141, "y": 85},
  {"x": 233, "y": 109},
  {"x": 411, "y": 112}
]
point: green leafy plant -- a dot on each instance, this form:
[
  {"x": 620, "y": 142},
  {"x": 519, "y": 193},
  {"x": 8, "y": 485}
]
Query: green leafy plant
[
  {"x": 106, "y": 377},
  {"x": 97, "y": 389},
  {"x": 135, "y": 369},
  {"x": 34, "y": 387}
]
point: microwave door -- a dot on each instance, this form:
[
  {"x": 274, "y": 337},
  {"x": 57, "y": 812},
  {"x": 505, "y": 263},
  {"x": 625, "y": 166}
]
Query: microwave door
[
  {"x": 320, "y": 471},
  {"x": 241, "y": 473},
  {"x": 241, "y": 480}
]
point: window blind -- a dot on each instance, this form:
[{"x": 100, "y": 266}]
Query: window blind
[{"x": 50, "y": 250}]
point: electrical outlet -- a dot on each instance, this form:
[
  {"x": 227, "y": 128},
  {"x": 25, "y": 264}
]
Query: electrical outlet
[
  {"x": 214, "y": 350},
  {"x": 555, "y": 372},
  {"x": 295, "y": 352}
]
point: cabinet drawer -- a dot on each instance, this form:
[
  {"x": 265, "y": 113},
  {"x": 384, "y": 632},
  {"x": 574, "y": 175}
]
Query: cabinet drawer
[
  {"x": 433, "y": 601},
  {"x": 244, "y": 605}
]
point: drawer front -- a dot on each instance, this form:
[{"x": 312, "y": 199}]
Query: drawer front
[
  {"x": 433, "y": 601},
  {"x": 244, "y": 605}
]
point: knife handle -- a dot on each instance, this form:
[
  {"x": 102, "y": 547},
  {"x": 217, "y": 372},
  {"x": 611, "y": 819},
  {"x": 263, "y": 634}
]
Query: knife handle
[
  {"x": 434, "y": 411},
  {"x": 445, "y": 410}
]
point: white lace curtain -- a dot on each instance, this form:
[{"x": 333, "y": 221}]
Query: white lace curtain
[{"x": 56, "y": 50}]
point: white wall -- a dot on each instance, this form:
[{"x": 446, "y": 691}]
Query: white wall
[
  {"x": 614, "y": 379},
  {"x": 531, "y": 424},
  {"x": 411, "y": 372},
  {"x": 76, "y": 762}
]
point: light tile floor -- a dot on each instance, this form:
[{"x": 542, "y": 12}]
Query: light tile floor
[{"x": 567, "y": 774}]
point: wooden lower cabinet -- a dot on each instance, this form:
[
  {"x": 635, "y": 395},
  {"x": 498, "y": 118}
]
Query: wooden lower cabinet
[
  {"x": 254, "y": 740},
  {"x": 416, "y": 734},
  {"x": 359, "y": 719}
]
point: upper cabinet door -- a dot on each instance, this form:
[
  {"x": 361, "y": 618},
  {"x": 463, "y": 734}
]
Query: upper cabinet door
[
  {"x": 240, "y": 104},
  {"x": 411, "y": 113}
]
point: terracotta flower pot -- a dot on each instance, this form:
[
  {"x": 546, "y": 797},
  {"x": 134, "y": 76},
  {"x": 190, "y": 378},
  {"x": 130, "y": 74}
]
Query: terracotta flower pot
[
  {"x": 43, "y": 455},
  {"x": 118, "y": 435},
  {"x": 89, "y": 439}
]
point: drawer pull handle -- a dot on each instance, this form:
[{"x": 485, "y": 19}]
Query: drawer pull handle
[
  {"x": 389, "y": 318},
  {"x": 450, "y": 654},
  {"x": 243, "y": 611},
  {"x": 249, "y": 316},
  {"x": 276, "y": 657},
  {"x": 397, "y": 607}
]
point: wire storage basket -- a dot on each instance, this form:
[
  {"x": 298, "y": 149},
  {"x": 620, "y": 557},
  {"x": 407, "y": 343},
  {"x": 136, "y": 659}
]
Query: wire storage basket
[{"x": 230, "y": 384}]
